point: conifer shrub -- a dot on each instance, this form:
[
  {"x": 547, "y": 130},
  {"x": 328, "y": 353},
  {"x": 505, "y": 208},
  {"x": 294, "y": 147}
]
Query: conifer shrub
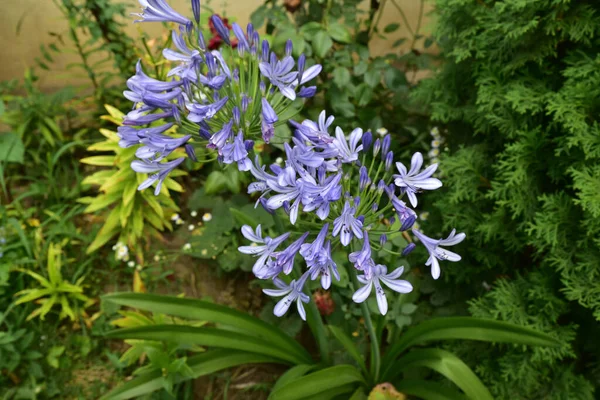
[{"x": 519, "y": 95}]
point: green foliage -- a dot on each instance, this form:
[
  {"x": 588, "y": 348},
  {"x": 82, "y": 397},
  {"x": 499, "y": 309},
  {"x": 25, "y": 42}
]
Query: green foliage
[
  {"x": 219, "y": 237},
  {"x": 257, "y": 341},
  {"x": 54, "y": 290},
  {"x": 518, "y": 91},
  {"x": 358, "y": 87},
  {"x": 133, "y": 214}
]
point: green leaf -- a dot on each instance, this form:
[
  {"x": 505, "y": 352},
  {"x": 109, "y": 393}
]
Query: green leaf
[
  {"x": 428, "y": 390},
  {"x": 363, "y": 94},
  {"x": 349, "y": 346},
  {"x": 195, "y": 309},
  {"x": 214, "y": 337},
  {"x": 447, "y": 364},
  {"x": 468, "y": 328},
  {"x": 408, "y": 308},
  {"x": 311, "y": 385},
  {"x": 391, "y": 28},
  {"x": 322, "y": 43},
  {"x": 340, "y": 33},
  {"x": 243, "y": 218},
  {"x": 341, "y": 77},
  {"x": 372, "y": 78},
  {"x": 215, "y": 182},
  {"x": 310, "y": 29},
  {"x": 202, "y": 364},
  {"x": 292, "y": 374},
  {"x": 11, "y": 148},
  {"x": 53, "y": 355}
]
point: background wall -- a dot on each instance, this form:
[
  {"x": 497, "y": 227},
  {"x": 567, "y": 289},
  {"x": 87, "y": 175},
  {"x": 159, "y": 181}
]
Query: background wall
[{"x": 39, "y": 17}]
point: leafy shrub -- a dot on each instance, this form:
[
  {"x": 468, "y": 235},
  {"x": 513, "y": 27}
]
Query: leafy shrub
[{"x": 518, "y": 91}]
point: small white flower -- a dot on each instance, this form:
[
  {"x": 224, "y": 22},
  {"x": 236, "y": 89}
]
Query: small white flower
[
  {"x": 157, "y": 258},
  {"x": 424, "y": 215},
  {"x": 179, "y": 222},
  {"x": 435, "y": 132},
  {"x": 194, "y": 214},
  {"x": 191, "y": 227},
  {"x": 433, "y": 153},
  {"x": 187, "y": 246},
  {"x": 279, "y": 160},
  {"x": 131, "y": 264},
  {"x": 382, "y": 131},
  {"x": 436, "y": 143},
  {"x": 175, "y": 217},
  {"x": 207, "y": 217},
  {"x": 138, "y": 267}
]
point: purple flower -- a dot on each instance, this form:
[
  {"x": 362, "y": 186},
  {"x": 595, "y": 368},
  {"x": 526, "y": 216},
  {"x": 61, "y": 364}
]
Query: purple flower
[
  {"x": 307, "y": 92},
  {"x": 408, "y": 249},
  {"x": 264, "y": 251},
  {"x": 131, "y": 136},
  {"x": 311, "y": 251},
  {"x": 389, "y": 158},
  {"x": 190, "y": 59},
  {"x": 222, "y": 30},
  {"x": 438, "y": 253},
  {"x": 406, "y": 216},
  {"x": 285, "y": 258},
  {"x": 367, "y": 140},
  {"x": 239, "y": 33},
  {"x": 236, "y": 152},
  {"x": 279, "y": 72},
  {"x": 363, "y": 178},
  {"x": 320, "y": 196},
  {"x": 160, "y": 11},
  {"x": 323, "y": 265},
  {"x": 201, "y": 112},
  {"x": 347, "y": 151},
  {"x": 196, "y": 10},
  {"x": 139, "y": 117},
  {"x": 157, "y": 147},
  {"x": 376, "y": 147},
  {"x": 379, "y": 275},
  {"x": 140, "y": 79},
  {"x": 362, "y": 259},
  {"x": 413, "y": 181},
  {"x": 315, "y": 132},
  {"x": 292, "y": 293},
  {"x": 219, "y": 139},
  {"x": 269, "y": 117},
  {"x": 385, "y": 145},
  {"x": 347, "y": 225},
  {"x": 161, "y": 171}
]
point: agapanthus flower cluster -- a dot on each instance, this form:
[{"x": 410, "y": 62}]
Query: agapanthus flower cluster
[
  {"x": 223, "y": 99},
  {"x": 349, "y": 190},
  {"x": 340, "y": 192}
]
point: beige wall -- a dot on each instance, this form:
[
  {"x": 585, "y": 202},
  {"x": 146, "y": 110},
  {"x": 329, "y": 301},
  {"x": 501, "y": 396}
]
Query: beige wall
[{"x": 41, "y": 16}]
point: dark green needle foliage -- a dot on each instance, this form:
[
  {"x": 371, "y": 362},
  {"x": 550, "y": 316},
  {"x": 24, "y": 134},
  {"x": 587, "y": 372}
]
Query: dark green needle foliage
[{"x": 519, "y": 92}]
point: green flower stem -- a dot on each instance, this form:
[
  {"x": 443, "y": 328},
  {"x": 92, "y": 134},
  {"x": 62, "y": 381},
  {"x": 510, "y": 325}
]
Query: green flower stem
[{"x": 375, "y": 364}]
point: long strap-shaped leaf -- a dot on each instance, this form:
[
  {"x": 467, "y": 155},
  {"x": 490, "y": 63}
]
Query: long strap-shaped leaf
[
  {"x": 212, "y": 337},
  {"x": 448, "y": 365},
  {"x": 292, "y": 374},
  {"x": 428, "y": 390},
  {"x": 349, "y": 346},
  {"x": 319, "y": 383},
  {"x": 205, "y": 311},
  {"x": 467, "y": 328},
  {"x": 202, "y": 364}
]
